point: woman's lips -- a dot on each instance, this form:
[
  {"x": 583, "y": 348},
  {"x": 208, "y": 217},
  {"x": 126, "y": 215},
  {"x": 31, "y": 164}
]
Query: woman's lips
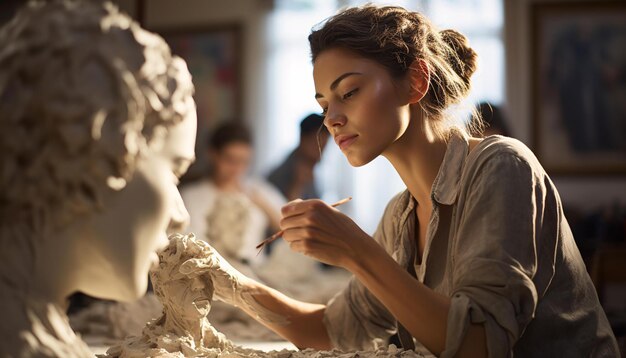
[{"x": 344, "y": 141}]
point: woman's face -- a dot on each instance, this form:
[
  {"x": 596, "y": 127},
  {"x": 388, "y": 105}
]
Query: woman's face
[
  {"x": 232, "y": 161},
  {"x": 366, "y": 110},
  {"x": 134, "y": 222}
]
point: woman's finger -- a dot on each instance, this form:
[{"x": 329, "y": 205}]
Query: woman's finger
[
  {"x": 298, "y": 246},
  {"x": 299, "y": 206},
  {"x": 301, "y": 233},
  {"x": 310, "y": 217},
  {"x": 315, "y": 249}
]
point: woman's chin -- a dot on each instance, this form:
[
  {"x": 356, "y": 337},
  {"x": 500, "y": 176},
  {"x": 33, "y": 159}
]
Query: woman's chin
[{"x": 357, "y": 161}]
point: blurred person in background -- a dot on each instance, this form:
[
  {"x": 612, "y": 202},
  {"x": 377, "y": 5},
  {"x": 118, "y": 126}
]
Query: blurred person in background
[
  {"x": 295, "y": 176},
  {"x": 229, "y": 209},
  {"x": 493, "y": 119}
]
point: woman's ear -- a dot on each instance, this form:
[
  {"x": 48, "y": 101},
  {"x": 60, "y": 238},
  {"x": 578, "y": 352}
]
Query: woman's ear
[{"x": 419, "y": 80}]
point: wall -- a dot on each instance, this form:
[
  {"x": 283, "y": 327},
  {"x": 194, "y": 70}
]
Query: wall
[
  {"x": 586, "y": 192},
  {"x": 251, "y": 16}
]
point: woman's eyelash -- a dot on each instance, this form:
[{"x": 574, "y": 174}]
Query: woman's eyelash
[
  {"x": 346, "y": 96},
  {"x": 350, "y": 94}
]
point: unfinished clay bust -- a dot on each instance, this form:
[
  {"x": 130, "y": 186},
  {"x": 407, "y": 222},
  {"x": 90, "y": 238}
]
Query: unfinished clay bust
[
  {"x": 184, "y": 283},
  {"x": 97, "y": 121},
  {"x": 184, "y": 287}
]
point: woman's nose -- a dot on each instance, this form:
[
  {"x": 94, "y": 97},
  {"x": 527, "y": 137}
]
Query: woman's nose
[
  {"x": 334, "y": 117},
  {"x": 179, "y": 217}
]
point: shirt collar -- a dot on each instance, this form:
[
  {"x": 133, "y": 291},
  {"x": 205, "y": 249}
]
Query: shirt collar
[{"x": 446, "y": 184}]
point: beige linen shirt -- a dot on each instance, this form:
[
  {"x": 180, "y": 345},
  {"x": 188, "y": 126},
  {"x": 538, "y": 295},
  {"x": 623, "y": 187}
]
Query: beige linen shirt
[{"x": 499, "y": 246}]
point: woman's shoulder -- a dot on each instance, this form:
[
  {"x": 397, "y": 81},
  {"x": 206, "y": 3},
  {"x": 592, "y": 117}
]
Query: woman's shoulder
[
  {"x": 503, "y": 153},
  {"x": 497, "y": 145}
]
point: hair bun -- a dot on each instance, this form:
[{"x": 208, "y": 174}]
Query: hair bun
[{"x": 463, "y": 59}]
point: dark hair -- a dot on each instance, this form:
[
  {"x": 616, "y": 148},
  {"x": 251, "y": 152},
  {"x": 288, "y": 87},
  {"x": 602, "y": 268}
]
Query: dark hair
[
  {"x": 492, "y": 117},
  {"x": 395, "y": 38},
  {"x": 227, "y": 133},
  {"x": 312, "y": 124}
]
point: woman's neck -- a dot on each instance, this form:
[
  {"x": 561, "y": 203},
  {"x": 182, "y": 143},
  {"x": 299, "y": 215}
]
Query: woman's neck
[{"x": 417, "y": 157}]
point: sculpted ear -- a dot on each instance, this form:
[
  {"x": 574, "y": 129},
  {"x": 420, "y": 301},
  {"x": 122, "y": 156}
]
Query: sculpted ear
[{"x": 419, "y": 79}]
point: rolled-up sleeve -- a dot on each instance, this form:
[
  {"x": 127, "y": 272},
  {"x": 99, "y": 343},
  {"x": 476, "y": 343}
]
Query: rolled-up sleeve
[
  {"x": 355, "y": 319},
  {"x": 502, "y": 256}
]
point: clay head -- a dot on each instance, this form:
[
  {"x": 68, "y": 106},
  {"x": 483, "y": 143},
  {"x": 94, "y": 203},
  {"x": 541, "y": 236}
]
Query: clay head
[{"x": 180, "y": 281}]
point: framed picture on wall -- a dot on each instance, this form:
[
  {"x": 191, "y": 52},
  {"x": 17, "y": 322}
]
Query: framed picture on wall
[
  {"x": 213, "y": 56},
  {"x": 579, "y": 86}
]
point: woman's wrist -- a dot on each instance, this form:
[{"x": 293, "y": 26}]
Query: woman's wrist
[{"x": 364, "y": 256}]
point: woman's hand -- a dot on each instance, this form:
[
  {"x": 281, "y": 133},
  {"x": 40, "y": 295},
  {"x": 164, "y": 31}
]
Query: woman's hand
[
  {"x": 236, "y": 289},
  {"x": 322, "y": 232},
  {"x": 227, "y": 281}
]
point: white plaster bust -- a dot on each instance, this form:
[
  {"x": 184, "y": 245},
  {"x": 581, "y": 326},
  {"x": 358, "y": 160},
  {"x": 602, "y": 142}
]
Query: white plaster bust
[{"x": 97, "y": 121}]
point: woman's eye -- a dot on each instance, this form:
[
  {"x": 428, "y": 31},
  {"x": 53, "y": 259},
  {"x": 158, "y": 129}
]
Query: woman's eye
[
  {"x": 350, "y": 94},
  {"x": 324, "y": 110}
]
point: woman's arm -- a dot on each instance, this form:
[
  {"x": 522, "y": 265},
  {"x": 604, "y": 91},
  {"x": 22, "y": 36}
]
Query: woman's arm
[
  {"x": 322, "y": 232},
  {"x": 299, "y": 322},
  {"x": 305, "y": 327}
]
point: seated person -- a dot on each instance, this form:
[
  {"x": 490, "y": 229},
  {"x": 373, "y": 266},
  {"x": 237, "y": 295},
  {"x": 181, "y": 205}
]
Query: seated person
[
  {"x": 294, "y": 177},
  {"x": 228, "y": 209}
]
